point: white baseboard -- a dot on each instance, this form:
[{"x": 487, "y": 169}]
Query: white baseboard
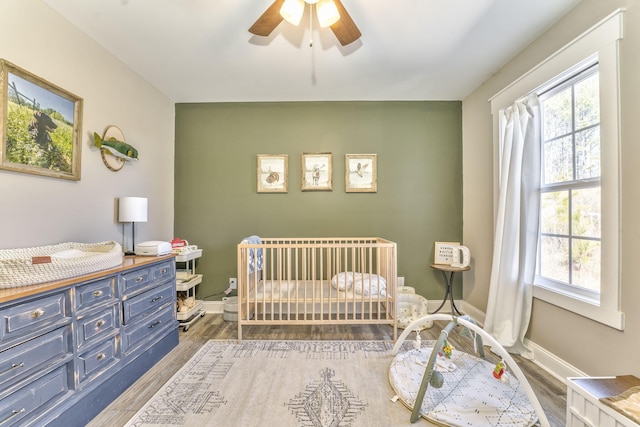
[
  {"x": 213, "y": 307},
  {"x": 553, "y": 364},
  {"x": 548, "y": 361},
  {"x": 473, "y": 312},
  {"x": 465, "y": 308}
]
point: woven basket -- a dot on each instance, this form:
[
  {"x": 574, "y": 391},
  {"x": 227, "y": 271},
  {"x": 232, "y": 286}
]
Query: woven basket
[{"x": 29, "y": 266}]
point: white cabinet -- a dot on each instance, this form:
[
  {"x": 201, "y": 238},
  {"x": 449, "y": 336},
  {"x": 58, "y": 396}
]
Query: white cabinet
[
  {"x": 584, "y": 408},
  {"x": 189, "y": 308}
]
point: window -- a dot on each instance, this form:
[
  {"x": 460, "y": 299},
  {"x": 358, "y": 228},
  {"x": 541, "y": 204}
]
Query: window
[
  {"x": 570, "y": 214},
  {"x": 578, "y": 265}
]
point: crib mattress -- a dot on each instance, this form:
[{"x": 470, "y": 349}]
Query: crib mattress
[
  {"x": 306, "y": 290},
  {"x": 30, "y": 266},
  {"x": 470, "y": 395}
]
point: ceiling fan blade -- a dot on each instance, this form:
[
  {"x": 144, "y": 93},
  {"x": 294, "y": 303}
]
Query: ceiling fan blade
[
  {"x": 268, "y": 21},
  {"x": 345, "y": 29}
]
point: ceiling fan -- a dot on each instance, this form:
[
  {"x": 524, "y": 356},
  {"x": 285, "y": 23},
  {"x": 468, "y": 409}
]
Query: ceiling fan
[{"x": 337, "y": 19}]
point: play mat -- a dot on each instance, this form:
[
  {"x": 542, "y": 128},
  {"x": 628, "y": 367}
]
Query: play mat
[{"x": 454, "y": 388}]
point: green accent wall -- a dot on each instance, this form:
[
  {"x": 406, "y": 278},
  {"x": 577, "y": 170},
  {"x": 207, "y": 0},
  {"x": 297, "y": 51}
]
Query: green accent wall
[{"x": 419, "y": 198}]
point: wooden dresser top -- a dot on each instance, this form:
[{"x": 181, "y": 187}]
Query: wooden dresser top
[{"x": 607, "y": 386}]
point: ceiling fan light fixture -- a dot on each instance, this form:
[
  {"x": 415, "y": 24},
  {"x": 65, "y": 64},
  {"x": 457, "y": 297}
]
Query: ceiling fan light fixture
[
  {"x": 327, "y": 13},
  {"x": 292, "y": 11}
]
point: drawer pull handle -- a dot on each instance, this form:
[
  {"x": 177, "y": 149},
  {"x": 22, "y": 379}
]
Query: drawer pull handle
[
  {"x": 154, "y": 324},
  {"x": 139, "y": 279},
  {"x": 38, "y": 313},
  {"x": 163, "y": 271},
  {"x": 101, "y": 356},
  {"x": 97, "y": 293},
  {"x": 13, "y": 414},
  {"x": 159, "y": 297},
  {"x": 100, "y": 323},
  {"x": 13, "y": 366}
]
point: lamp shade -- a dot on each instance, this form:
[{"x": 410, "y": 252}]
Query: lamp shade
[
  {"x": 132, "y": 209},
  {"x": 292, "y": 11},
  {"x": 327, "y": 13}
]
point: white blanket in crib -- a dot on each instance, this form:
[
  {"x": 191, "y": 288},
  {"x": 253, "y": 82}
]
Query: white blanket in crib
[{"x": 367, "y": 284}]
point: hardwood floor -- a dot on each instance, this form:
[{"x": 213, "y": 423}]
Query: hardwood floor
[{"x": 550, "y": 392}]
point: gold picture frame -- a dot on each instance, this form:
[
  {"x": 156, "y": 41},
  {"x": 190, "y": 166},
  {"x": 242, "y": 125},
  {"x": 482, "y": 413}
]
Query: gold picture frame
[
  {"x": 361, "y": 173},
  {"x": 316, "y": 171},
  {"x": 443, "y": 254},
  {"x": 272, "y": 173},
  {"x": 40, "y": 125}
]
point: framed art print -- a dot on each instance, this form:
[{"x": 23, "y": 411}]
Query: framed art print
[
  {"x": 40, "y": 125},
  {"x": 272, "y": 173},
  {"x": 316, "y": 172},
  {"x": 361, "y": 175}
]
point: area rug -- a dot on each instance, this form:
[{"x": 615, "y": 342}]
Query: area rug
[{"x": 280, "y": 383}]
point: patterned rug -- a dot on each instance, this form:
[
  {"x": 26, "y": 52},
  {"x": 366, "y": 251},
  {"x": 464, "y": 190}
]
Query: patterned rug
[{"x": 283, "y": 383}]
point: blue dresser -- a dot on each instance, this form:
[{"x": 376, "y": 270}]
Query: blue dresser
[{"x": 69, "y": 348}]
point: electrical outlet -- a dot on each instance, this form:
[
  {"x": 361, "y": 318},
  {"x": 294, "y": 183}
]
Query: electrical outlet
[
  {"x": 400, "y": 281},
  {"x": 233, "y": 283}
]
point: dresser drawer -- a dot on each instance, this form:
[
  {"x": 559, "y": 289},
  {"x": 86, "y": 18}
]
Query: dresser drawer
[
  {"x": 163, "y": 271},
  {"x": 25, "y": 402},
  {"x": 31, "y": 316},
  {"x": 95, "y": 293},
  {"x": 97, "y": 359},
  {"x": 153, "y": 275},
  {"x": 135, "y": 280},
  {"x": 146, "y": 302},
  {"x": 144, "y": 333},
  {"x": 99, "y": 325},
  {"x": 25, "y": 359}
]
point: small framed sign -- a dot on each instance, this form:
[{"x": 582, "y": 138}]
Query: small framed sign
[{"x": 444, "y": 252}]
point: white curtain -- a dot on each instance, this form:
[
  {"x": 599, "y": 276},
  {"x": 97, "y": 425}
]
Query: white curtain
[{"x": 516, "y": 231}]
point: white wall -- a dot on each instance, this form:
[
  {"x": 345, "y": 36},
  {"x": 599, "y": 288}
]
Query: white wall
[
  {"x": 589, "y": 346},
  {"x": 36, "y": 210}
]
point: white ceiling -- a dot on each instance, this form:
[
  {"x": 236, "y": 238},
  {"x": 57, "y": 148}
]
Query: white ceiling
[{"x": 201, "y": 51}]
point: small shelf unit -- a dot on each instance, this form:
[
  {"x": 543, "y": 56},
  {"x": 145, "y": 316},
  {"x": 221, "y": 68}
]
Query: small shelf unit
[{"x": 186, "y": 281}]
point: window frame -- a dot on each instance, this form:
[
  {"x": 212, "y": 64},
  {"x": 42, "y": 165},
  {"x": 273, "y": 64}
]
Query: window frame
[
  {"x": 586, "y": 70},
  {"x": 600, "y": 43}
]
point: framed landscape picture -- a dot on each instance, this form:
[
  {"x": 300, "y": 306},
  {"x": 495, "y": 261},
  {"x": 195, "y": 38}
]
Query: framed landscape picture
[
  {"x": 361, "y": 175},
  {"x": 40, "y": 125},
  {"x": 316, "y": 172},
  {"x": 272, "y": 173}
]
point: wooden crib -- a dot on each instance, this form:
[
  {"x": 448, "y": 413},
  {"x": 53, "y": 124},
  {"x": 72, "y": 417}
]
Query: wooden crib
[{"x": 315, "y": 281}]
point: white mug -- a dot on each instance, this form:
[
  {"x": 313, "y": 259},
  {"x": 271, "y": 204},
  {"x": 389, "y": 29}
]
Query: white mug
[{"x": 461, "y": 256}]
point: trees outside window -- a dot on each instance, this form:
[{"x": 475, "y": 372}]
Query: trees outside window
[{"x": 570, "y": 201}]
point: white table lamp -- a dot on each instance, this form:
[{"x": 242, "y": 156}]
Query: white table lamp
[{"x": 132, "y": 209}]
